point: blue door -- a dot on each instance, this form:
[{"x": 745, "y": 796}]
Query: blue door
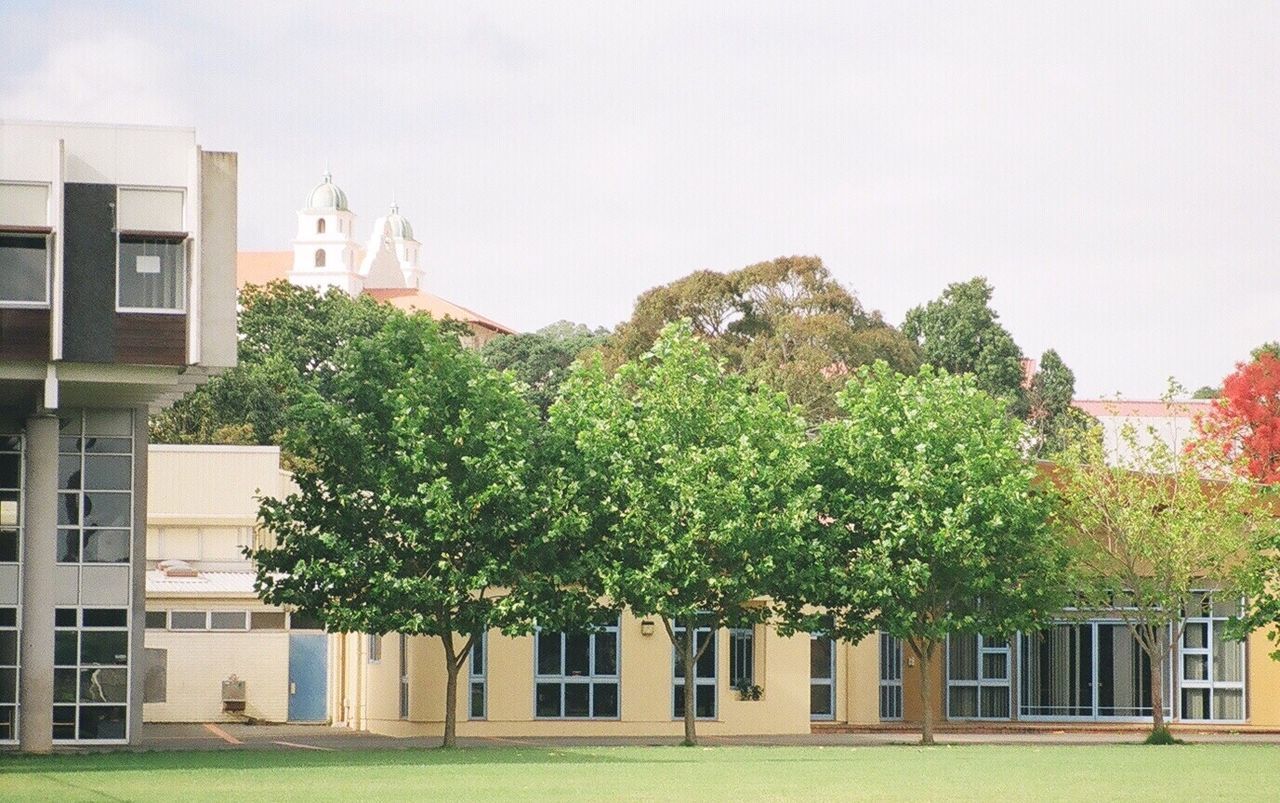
[{"x": 308, "y": 670}]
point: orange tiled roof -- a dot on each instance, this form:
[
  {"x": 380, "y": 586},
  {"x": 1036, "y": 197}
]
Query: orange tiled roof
[{"x": 1143, "y": 409}]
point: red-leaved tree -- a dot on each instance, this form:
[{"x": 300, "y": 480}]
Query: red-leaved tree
[{"x": 1245, "y": 420}]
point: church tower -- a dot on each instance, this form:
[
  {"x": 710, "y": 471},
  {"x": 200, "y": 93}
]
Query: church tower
[
  {"x": 324, "y": 252},
  {"x": 392, "y": 256}
]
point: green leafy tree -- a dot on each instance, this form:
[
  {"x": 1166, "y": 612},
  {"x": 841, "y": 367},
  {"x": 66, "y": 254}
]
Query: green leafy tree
[
  {"x": 541, "y": 359},
  {"x": 786, "y": 323},
  {"x": 1207, "y": 392},
  {"x": 417, "y": 494},
  {"x": 686, "y": 490},
  {"x": 1147, "y": 531},
  {"x": 1052, "y": 421},
  {"x": 932, "y": 520}
]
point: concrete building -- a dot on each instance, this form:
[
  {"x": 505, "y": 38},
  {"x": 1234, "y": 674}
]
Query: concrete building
[
  {"x": 117, "y": 296},
  {"x": 326, "y": 254}
]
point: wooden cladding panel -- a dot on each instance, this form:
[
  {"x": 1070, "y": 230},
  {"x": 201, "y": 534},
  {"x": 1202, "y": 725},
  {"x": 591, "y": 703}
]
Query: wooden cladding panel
[
  {"x": 143, "y": 339},
  {"x": 24, "y": 334}
]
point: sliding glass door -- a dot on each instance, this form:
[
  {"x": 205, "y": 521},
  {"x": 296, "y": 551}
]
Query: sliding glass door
[{"x": 1085, "y": 670}]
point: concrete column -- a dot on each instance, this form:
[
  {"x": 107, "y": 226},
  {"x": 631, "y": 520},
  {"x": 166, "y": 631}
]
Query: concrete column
[
  {"x": 138, "y": 579},
  {"x": 39, "y": 556}
]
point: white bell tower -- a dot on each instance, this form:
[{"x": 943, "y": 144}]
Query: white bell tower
[
  {"x": 324, "y": 252},
  {"x": 392, "y": 255}
]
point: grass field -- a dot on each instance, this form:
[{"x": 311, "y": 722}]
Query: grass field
[{"x": 1101, "y": 772}]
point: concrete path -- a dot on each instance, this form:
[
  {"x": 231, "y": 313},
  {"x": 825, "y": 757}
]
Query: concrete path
[{"x": 326, "y": 738}]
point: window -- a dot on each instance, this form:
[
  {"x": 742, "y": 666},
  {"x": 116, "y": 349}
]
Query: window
[
  {"x": 375, "y": 648},
  {"x": 157, "y": 620},
  {"x": 24, "y": 245},
  {"x": 95, "y": 487},
  {"x": 1211, "y": 666},
  {"x": 151, "y": 261},
  {"x": 404, "y": 676},
  {"x": 476, "y": 676},
  {"x": 742, "y": 645},
  {"x": 320, "y": 226},
  {"x": 890, "y": 677},
  {"x": 10, "y": 497},
  {"x": 977, "y": 677},
  {"x": 189, "y": 620},
  {"x": 304, "y": 621},
  {"x": 91, "y": 674},
  {"x": 822, "y": 677},
  {"x": 8, "y": 674},
  {"x": 228, "y": 620},
  {"x": 319, "y": 257},
  {"x": 576, "y": 674},
  {"x": 704, "y": 676},
  {"x": 266, "y": 620}
]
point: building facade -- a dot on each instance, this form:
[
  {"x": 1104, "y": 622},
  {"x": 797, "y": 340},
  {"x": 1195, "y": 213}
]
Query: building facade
[{"x": 117, "y": 296}]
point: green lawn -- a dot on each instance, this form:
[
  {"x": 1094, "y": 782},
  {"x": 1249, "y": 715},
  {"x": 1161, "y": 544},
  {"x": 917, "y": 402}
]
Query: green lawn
[{"x": 1104, "y": 772}]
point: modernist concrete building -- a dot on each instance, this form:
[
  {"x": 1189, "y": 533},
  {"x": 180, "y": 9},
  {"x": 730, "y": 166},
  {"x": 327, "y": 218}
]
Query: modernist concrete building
[
  {"x": 117, "y": 295},
  {"x": 389, "y": 267}
]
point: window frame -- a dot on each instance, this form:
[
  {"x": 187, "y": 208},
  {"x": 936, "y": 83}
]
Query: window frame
[
  {"x": 17, "y": 671},
  {"x": 891, "y": 666},
  {"x": 181, "y": 238},
  {"x": 479, "y": 677},
  {"x": 80, "y": 528},
  {"x": 373, "y": 648},
  {"x": 742, "y": 647},
  {"x": 45, "y": 231},
  {"x": 80, "y": 666},
  {"x": 677, "y": 681},
  {"x": 1212, "y": 622},
  {"x": 590, "y": 679},
  {"x": 982, "y": 682}
]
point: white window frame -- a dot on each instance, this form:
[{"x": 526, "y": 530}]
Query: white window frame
[
  {"x": 404, "y": 676},
  {"x": 479, "y": 676},
  {"x": 891, "y": 663},
  {"x": 80, "y": 629},
  {"x": 46, "y": 232},
  {"x": 185, "y": 245},
  {"x": 677, "y": 681},
  {"x": 1211, "y": 622},
  {"x": 16, "y": 667},
  {"x": 590, "y": 680},
  {"x": 981, "y": 681},
  {"x": 829, "y": 682},
  {"x": 373, "y": 650},
  {"x": 200, "y": 629},
  {"x": 742, "y": 647}
]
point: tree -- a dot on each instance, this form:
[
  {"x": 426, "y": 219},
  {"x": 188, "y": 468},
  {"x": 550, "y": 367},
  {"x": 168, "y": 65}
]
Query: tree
[
  {"x": 416, "y": 496},
  {"x": 932, "y": 522},
  {"x": 1207, "y": 392},
  {"x": 1052, "y": 420},
  {"x": 1148, "y": 531},
  {"x": 961, "y": 333},
  {"x": 786, "y": 324},
  {"x": 1245, "y": 421},
  {"x": 685, "y": 490},
  {"x": 541, "y": 359}
]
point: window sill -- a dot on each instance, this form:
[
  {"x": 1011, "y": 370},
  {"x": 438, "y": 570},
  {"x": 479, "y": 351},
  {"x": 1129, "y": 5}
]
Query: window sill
[{"x": 150, "y": 311}]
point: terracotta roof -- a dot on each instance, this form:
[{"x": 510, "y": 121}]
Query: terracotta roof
[
  {"x": 1112, "y": 408},
  {"x": 261, "y": 267}
]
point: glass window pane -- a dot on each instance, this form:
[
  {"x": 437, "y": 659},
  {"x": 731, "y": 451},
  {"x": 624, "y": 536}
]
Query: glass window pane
[
  {"x": 707, "y": 663},
  {"x": 103, "y": 685},
  {"x": 102, "y": 722},
  {"x": 68, "y": 546},
  {"x": 65, "y": 617},
  {"x": 69, "y": 508},
  {"x": 8, "y": 546},
  {"x": 64, "y": 719},
  {"x": 606, "y": 653},
  {"x": 227, "y": 620},
  {"x": 1228, "y": 704},
  {"x": 705, "y": 700},
  {"x": 69, "y": 472},
  {"x": 577, "y": 697},
  {"x": 606, "y": 700},
  {"x": 1195, "y": 635},
  {"x": 964, "y": 701},
  {"x": 106, "y": 546},
  {"x": 1195, "y": 703},
  {"x": 995, "y": 665},
  {"x": 157, "y": 620},
  {"x": 108, "y": 472},
  {"x": 8, "y": 685},
  {"x": 65, "y": 643},
  {"x": 103, "y": 509},
  {"x": 548, "y": 653},
  {"x": 187, "y": 620},
  {"x": 1228, "y": 658},
  {"x": 108, "y": 445},
  {"x": 820, "y": 654},
  {"x": 10, "y": 470},
  {"x": 995, "y": 702},
  {"x": 577, "y": 654},
  {"x": 108, "y": 422},
  {"x": 152, "y": 273},
  {"x": 1226, "y": 607},
  {"x": 299, "y": 620},
  {"x": 104, "y": 647},
  {"x": 547, "y": 700},
  {"x": 266, "y": 620},
  {"x": 64, "y": 685},
  {"x": 477, "y": 701},
  {"x": 8, "y": 617},
  {"x": 963, "y": 657},
  {"x": 1195, "y": 667},
  {"x": 8, "y": 648},
  {"x": 477, "y": 655},
  {"x": 24, "y": 268},
  {"x": 105, "y": 617}
]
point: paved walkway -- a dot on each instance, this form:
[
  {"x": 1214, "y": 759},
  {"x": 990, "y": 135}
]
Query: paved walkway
[{"x": 325, "y": 738}]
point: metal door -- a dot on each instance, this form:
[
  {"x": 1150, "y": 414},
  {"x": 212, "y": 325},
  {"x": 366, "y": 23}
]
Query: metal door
[{"x": 308, "y": 671}]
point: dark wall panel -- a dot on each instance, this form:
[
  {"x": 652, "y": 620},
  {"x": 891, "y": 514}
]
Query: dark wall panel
[
  {"x": 24, "y": 334},
  {"x": 89, "y": 273},
  {"x": 144, "y": 339}
]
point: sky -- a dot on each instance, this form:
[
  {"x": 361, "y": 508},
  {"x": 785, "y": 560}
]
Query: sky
[{"x": 1112, "y": 168}]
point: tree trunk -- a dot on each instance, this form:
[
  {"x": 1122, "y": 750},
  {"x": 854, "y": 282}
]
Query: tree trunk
[
  {"x": 690, "y": 689},
  {"x": 451, "y": 706},
  {"x": 926, "y": 695},
  {"x": 1157, "y": 694}
]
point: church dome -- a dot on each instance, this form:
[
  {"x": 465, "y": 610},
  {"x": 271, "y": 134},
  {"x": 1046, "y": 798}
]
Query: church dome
[
  {"x": 327, "y": 195},
  {"x": 397, "y": 226}
]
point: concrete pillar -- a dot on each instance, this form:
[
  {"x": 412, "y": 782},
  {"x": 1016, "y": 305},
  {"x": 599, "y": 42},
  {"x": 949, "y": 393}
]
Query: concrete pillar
[{"x": 39, "y": 556}]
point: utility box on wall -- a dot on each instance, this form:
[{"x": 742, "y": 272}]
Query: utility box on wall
[{"x": 233, "y": 697}]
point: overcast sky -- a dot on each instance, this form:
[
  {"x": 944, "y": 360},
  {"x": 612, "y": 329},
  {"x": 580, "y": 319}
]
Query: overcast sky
[{"x": 1111, "y": 167}]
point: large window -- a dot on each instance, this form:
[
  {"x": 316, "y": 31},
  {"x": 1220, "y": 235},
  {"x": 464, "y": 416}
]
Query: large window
[
  {"x": 1212, "y": 666},
  {"x": 477, "y": 702},
  {"x": 890, "y": 677},
  {"x": 404, "y": 676},
  {"x": 8, "y": 674},
  {"x": 742, "y": 655},
  {"x": 1085, "y": 670},
  {"x": 24, "y": 245},
  {"x": 704, "y": 676},
  {"x": 91, "y": 674},
  {"x": 822, "y": 677},
  {"x": 151, "y": 266},
  {"x": 10, "y": 497},
  {"x": 95, "y": 487},
  {"x": 977, "y": 677},
  {"x": 576, "y": 674}
]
